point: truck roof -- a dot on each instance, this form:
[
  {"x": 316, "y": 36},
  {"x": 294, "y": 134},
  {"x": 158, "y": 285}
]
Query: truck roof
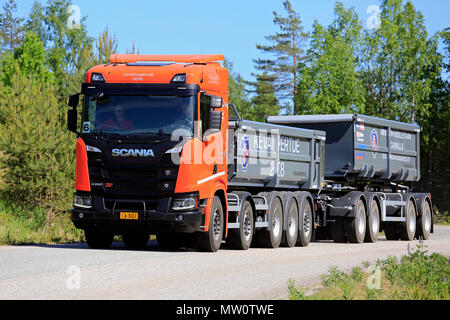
[{"x": 204, "y": 70}]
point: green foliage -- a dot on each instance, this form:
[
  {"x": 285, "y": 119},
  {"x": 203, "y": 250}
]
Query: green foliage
[
  {"x": 236, "y": 91},
  {"x": 288, "y": 49},
  {"x": 329, "y": 81},
  {"x": 37, "y": 153},
  {"x": 11, "y": 27}
]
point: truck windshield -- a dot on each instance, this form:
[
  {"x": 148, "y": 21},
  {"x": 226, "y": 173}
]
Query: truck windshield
[{"x": 139, "y": 115}]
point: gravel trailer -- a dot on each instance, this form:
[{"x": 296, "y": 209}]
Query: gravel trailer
[{"x": 367, "y": 162}]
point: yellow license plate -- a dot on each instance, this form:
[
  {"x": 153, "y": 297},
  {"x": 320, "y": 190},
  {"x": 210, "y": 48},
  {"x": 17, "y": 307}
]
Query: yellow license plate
[{"x": 129, "y": 215}]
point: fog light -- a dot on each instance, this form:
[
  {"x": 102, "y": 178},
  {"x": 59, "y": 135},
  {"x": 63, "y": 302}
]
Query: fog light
[
  {"x": 81, "y": 215},
  {"x": 180, "y": 217}
]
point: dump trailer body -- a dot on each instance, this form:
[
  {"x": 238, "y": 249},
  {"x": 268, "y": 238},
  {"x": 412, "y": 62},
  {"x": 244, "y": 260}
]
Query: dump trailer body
[
  {"x": 273, "y": 156},
  {"x": 363, "y": 148}
]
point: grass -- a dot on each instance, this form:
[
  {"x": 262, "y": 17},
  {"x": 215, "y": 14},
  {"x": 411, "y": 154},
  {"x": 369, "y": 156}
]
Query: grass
[
  {"x": 442, "y": 218},
  {"x": 415, "y": 276},
  {"x": 25, "y": 226}
]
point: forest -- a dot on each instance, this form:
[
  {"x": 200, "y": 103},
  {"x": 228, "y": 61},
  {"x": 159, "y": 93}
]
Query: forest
[{"x": 396, "y": 71}]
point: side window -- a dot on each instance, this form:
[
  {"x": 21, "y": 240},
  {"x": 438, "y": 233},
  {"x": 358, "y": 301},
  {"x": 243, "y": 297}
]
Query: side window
[{"x": 205, "y": 102}]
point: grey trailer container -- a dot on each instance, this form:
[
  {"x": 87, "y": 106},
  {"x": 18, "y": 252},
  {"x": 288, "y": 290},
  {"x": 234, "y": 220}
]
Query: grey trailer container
[
  {"x": 271, "y": 156},
  {"x": 364, "y": 148}
]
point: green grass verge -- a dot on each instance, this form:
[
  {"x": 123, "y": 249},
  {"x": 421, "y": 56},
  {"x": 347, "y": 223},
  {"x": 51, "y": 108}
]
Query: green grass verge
[
  {"x": 32, "y": 226},
  {"x": 416, "y": 276},
  {"x": 443, "y": 218}
]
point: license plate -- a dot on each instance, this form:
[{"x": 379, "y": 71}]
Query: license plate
[{"x": 129, "y": 215}]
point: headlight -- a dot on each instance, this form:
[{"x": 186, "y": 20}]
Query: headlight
[
  {"x": 93, "y": 149},
  {"x": 84, "y": 202},
  {"x": 185, "y": 203}
]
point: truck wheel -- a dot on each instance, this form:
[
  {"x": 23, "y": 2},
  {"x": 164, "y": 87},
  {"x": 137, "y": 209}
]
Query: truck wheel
[
  {"x": 210, "y": 240},
  {"x": 373, "y": 223},
  {"x": 98, "y": 239},
  {"x": 272, "y": 238},
  {"x": 357, "y": 225},
  {"x": 135, "y": 240},
  {"x": 292, "y": 224},
  {"x": 337, "y": 230},
  {"x": 306, "y": 224},
  {"x": 424, "y": 222},
  {"x": 241, "y": 238},
  {"x": 407, "y": 229},
  {"x": 390, "y": 231}
]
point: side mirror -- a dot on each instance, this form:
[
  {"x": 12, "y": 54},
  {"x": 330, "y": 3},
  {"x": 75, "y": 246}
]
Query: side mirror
[
  {"x": 215, "y": 120},
  {"x": 73, "y": 100},
  {"x": 72, "y": 120}
]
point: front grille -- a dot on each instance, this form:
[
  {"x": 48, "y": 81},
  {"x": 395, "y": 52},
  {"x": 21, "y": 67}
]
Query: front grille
[{"x": 133, "y": 173}]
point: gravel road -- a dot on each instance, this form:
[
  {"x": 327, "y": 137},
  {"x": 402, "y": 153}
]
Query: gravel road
[{"x": 76, "y": 272}]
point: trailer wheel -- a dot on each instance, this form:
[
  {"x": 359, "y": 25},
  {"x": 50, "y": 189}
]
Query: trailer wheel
[
  {"x": 424, "y": 222},
  {"x": 357, "y": 225},
  {"x": 337, "y": 230},
  {"x": 272, "y": 238},
  {"x": 210, "y": 240},
  {"x": 306, "y": 224},
  {"x": 373, "y": 222},
  {"x": 97, "y": 239},
  {"x": 135, "y": 240},
  {"x": 241, "y": 238},
  {"x": 407, "y": 229},
  {"x": 292, "y": 223}
]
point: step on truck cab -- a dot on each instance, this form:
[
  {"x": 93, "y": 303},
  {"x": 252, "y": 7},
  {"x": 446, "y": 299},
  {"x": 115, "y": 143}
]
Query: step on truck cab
[{"x": 161, "y": 151}]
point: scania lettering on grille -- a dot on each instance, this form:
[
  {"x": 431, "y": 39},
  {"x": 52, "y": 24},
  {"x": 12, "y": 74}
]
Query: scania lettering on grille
[{"x": 132, "y": 153}]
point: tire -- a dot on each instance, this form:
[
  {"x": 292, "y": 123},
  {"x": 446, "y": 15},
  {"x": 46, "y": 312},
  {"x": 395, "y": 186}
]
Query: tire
[
  {"x": 407, "y": 229},
  {"x": 209, "y": 241},
  {"x": 135, "y": 240},
  {"x": 98, "y": 239},
  {"x": 373, "y": 222},
  {"x": 337, "y": 230},
  {"x": 272, "y": 238},
  {"x": 306, "y": 224},
  {"x": 390, "y": 231},
  {"x": 292, "y": 224},
  {"x": 241, "y": 238},
  {"x": 424, "y": 223},
  {"x": 357, "y": 225}
]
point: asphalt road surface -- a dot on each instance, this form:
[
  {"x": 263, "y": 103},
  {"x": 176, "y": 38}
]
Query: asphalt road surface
[{"x": 76, "y": 272}]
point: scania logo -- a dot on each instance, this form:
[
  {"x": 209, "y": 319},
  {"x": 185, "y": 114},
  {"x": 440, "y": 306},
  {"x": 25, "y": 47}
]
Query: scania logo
[{"x": 132, "y": 153}]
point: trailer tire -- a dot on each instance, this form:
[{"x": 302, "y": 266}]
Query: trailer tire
[
  {"x": 424, "y": 223},
  {"x": 407, "y": 229},
  {"x": 135, "y": 240},
  {"x": 241, "y": 238},
  {"x": 210, "y": 240},
  {"x": 306, "y": 224},
  {"x": 291, "y": 232},
  {"x": 337, "y": 230},
  {"x": 357, "y": 225},
  {"x": 373, "y": 222},
  {"x": 97, "y": 239},
  {"x": 272, "y": 238}
]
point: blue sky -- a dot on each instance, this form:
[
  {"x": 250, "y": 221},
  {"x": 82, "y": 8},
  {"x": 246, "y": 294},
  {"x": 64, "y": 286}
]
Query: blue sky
[{"x": 229, "y": 27}]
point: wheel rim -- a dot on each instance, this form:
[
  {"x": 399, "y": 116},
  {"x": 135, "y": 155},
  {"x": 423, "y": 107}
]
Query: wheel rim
[
  {"x": 247, "y": 226},
  {"x": 216, "y": 224},
  {"x": 276, "y": 223},
  {"x": 427, "y": 223},
  {"x": 412, "y": 220},
  {"x": 292, "y": 225},
  {"x": 306, "y": 223},
  {"x": 375, "y": 220},
  {"x": 361, "y": 222}
]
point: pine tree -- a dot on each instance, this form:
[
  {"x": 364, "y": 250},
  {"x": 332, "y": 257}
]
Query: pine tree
[
  {"x": 288, "y": 49},
  {"x": 11, "y": 27},
  {"x": 264, "y": 102},
  {"x": 106, "y": 46}
]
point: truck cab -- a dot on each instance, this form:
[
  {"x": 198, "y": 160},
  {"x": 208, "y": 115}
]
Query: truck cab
[{"x": 151, "y": 149}]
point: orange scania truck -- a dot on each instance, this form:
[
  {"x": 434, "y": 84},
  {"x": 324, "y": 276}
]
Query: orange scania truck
[{"x": 160, "y": 150}]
